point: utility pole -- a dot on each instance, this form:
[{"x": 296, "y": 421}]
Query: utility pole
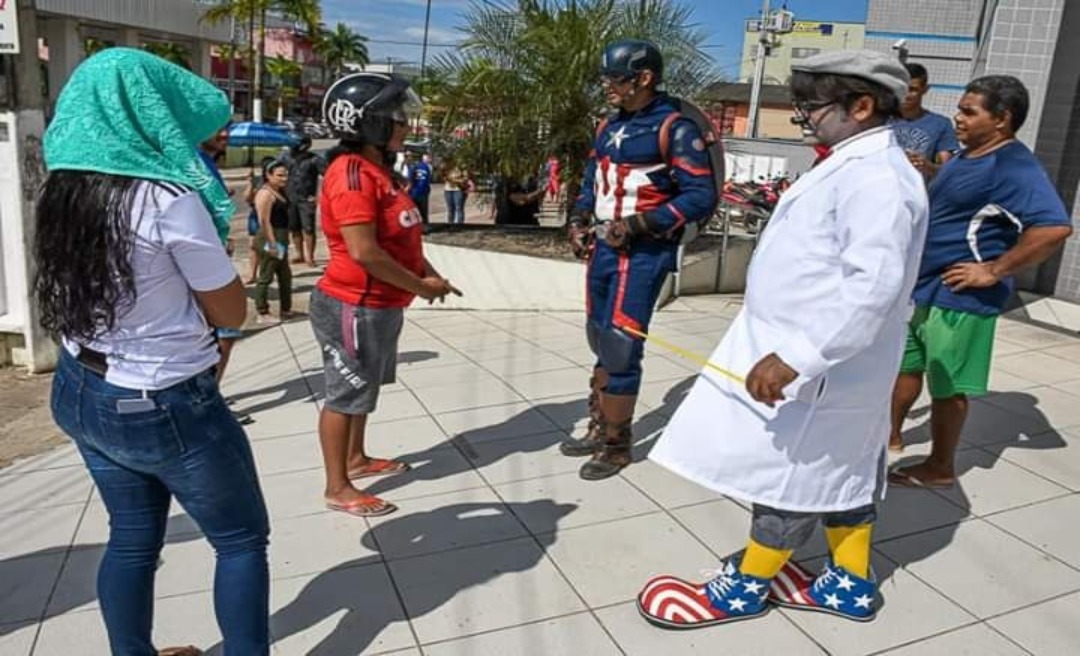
[
  {"x": 423, "y": 51},
  {"x": 232, "y": 63},
  {"x": 22, "y": 170},
  {"x": 260, "y": 63},
  {"x": 759, "y": 71},
  {"x": 772, "y": 22},
  {"x": 251, "y": 62}
]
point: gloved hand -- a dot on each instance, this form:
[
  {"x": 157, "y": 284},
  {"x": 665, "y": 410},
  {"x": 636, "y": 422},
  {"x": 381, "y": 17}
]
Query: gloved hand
[
  {"x": 581, "y": 234},
  {"x": 580, "y": 241}
]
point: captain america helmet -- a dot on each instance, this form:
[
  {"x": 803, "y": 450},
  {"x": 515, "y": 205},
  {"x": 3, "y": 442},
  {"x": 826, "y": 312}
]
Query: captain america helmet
[{"x": 627, "y": 58}]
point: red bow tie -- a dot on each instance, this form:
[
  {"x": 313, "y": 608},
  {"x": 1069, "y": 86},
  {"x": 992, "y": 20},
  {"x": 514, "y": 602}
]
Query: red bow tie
[{"x": 822, "y": 151}]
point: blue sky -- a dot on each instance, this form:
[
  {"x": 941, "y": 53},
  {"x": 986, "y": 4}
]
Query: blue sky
[{"x": 396, "y": 27}]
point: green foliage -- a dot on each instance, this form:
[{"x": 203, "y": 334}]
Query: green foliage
[
  {"x": 172, "y": 52},
  {"x": 340, "y": 46},
  {"x": 526, "y": 83}
]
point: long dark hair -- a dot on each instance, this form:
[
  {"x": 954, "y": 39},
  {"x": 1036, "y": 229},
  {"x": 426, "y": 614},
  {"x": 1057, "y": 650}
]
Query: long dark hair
[{"x": 82, "y": 249}]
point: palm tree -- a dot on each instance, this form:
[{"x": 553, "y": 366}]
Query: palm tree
[
  {"x": 340, "y": 46},
  {"x": 284, "y": 72},
  {"x": 173, "y": 52},
  {"x": 305, "y": 12},
  {"x": 525, "y": 82}
]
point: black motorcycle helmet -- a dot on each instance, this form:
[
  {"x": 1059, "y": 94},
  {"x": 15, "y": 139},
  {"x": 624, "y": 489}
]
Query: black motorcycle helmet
[
  {"x": 363, "y": 107},
  {"x": 301, "y": 146},
  {"x": 627, "y": 58}
]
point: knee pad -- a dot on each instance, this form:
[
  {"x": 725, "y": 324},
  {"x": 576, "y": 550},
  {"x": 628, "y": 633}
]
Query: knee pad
[
  {"x": 618, "y": 352},
  {"x": 592, "y": 334}
]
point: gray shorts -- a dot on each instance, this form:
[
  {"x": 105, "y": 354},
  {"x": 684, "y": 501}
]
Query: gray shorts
[
  {"x": 786, "y": 529},
  {"x": 359, "y": 347},
  {"x": 302, "y": 216}
]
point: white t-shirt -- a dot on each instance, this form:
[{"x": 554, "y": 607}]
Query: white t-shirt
[{"x": 164, "y": 339}]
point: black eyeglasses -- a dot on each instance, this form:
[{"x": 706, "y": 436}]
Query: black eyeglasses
[{"x": 808, "y": 107}]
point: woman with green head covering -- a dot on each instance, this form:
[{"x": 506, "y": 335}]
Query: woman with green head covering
[
  {"x": 130, "y": 113},
  {"x": 132, "y": 275}
]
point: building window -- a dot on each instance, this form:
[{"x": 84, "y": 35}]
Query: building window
[{"x": 803, "y": 53}]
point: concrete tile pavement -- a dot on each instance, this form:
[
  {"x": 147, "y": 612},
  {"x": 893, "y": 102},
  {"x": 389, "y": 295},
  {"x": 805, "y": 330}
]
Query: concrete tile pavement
[{"x": 499, "y": 548}]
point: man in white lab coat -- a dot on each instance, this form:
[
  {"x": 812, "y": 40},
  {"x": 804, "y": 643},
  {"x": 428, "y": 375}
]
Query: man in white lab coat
[{"x": 821, "y": 335}]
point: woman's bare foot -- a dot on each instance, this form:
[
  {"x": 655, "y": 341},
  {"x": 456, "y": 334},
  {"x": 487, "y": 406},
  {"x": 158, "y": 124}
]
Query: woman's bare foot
[
  {"x": 352, "y": 501},
  {"x": 922, "y": 475}
]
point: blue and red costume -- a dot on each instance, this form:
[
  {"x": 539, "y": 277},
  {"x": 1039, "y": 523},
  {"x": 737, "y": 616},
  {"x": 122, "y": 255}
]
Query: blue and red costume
[{"x": 649, "y": 168}]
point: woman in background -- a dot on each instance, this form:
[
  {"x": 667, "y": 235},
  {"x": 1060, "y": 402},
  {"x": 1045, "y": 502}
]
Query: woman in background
[{"x": 272, "y": 243}]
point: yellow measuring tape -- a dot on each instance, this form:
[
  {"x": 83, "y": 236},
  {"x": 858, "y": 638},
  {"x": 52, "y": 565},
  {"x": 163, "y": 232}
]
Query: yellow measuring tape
[{"x": 689, "y": 355}]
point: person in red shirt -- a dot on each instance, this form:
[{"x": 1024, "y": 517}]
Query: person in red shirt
[{"x": 377, "y": 267}]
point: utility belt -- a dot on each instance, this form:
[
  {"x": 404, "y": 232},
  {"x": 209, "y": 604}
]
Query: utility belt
[{"x": 600, "y": 228}]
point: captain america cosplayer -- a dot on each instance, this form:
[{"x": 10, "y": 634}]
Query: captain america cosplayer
[{"x": 648, "y": 178}]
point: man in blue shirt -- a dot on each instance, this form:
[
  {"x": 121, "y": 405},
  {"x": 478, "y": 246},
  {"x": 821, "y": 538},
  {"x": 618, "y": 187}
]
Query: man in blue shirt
[
  {"x": 420, "y": 184},
  {"x": 926, "y": 137},
  {"x": 993, "y": 212}
]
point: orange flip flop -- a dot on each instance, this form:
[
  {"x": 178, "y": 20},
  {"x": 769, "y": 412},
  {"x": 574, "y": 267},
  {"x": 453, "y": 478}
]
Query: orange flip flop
[
  {"x": 366, "y": 506},
  {"x": 378, "y": 467}
]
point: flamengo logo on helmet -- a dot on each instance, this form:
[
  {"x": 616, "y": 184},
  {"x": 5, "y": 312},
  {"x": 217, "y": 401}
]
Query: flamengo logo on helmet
[{"x": 342, "y": 113}]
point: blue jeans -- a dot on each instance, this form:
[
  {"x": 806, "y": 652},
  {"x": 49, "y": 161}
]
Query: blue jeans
[
  {"x": 181, "y": 442},
  {"x": 455, "y": 206}
]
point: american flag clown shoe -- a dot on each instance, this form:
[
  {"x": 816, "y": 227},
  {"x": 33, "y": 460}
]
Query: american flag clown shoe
[
  {"x": 672, "y": 603},
  {"x": 835, "y": 591}
]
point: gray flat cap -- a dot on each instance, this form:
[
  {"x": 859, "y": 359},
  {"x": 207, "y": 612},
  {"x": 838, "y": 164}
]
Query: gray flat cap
[{"x": 878, "y": 67}]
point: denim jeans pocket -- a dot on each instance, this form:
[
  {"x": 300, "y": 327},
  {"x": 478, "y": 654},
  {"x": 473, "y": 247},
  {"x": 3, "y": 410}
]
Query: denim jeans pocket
[{"x": 141, "y": 439}]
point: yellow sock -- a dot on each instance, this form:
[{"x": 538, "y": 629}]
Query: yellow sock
[
  {"x": 850, "y": 547},
  {"x": 763, "y": 562}
]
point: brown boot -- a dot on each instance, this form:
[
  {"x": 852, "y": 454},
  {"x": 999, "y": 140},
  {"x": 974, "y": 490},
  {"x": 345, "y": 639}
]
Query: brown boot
[
  {"x": 614, "y": 452},
  {"x": 588, "y": 445}
]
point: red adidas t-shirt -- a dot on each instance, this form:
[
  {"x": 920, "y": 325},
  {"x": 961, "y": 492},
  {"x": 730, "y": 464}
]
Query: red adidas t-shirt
[{"x": 357, "y": 191}]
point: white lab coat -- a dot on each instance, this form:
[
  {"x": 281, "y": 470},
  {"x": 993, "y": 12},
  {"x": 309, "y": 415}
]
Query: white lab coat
[{"x": 829, "y": 292}]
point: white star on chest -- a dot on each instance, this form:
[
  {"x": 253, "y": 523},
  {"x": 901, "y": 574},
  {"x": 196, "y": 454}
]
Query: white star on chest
[
  {"x": 845, "y": 583},
  {"x": 864, "y": 601},
  {"x": 832, "y": 601},
  {"x": 737, "y": 604},
  {"x": 617, "y": 137}
]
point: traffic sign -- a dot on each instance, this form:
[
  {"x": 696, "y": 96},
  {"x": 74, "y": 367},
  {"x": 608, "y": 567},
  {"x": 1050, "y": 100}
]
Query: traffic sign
[{"x": 9, "y": 28}]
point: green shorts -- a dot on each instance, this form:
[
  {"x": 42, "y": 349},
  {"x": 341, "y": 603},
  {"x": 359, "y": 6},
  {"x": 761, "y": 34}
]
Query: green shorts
[{"x": 952, "y": 348}]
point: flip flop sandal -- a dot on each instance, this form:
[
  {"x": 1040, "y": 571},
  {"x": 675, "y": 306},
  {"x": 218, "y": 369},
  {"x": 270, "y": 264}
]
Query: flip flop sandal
[
  {"x": 180, "y": 651},
  {"x": 378, "y": 467},
  {"x": 900, "y": 478},
  {"x": 365, "y": 506}
]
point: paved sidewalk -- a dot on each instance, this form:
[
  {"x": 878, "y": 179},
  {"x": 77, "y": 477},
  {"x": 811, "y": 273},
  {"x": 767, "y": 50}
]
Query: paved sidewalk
[{"x": 499, "y": 548}]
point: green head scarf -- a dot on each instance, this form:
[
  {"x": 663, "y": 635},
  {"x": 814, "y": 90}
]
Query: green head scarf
[{"x": 127, "y": 112}]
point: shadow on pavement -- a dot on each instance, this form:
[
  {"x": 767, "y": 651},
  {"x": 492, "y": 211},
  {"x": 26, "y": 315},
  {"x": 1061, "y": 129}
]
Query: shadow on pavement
[
  {"x": 487, "y": 445},
  {"x": 906, "y": 511},
  {"x": 37, "y": 571},
  {"x": 424, "y": 584}
]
